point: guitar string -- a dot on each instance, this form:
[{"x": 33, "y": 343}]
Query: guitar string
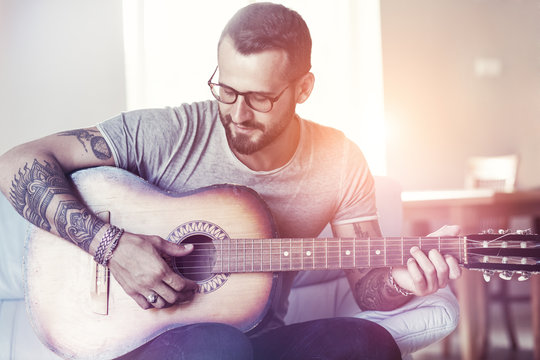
[{"x": 334, "y": 257}]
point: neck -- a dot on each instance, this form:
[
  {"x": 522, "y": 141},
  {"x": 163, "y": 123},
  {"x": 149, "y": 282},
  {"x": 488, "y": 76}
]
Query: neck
[{"x": 255, "y": 255}]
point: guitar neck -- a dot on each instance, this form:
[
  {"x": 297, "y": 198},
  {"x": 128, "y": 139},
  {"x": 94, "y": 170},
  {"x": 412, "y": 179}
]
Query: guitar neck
[{"x": 271, "y": 255}]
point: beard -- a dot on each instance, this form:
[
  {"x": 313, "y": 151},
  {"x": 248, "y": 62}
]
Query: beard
[{"x": 247, "y": 145}]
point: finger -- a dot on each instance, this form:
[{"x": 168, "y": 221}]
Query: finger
[
  {"x": 441, "y": 267},
  {"x": 453, "y": 265},
  {"x": 158, "y": 303},
  {"x": 426, "y": 268},
  {"x": 178, "y": 283},
  {"x": 141, "y": 301},
  {"x": 173, "y": 249},
  {"x": 416, "y": 275},
  {"x": 171, "y": 296}
]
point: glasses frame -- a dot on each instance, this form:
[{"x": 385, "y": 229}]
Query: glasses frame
[{"x": 244, "y": 94}]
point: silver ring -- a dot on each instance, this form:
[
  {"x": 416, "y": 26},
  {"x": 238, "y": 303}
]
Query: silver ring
[{"x": 152, "y": 298}]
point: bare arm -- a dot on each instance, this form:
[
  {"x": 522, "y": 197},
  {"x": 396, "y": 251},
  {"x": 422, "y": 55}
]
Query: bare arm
[
  {"x": 423, "y": 275},
  {"x": 370, "y": 287},
  {"x": 33, "y": 179}
]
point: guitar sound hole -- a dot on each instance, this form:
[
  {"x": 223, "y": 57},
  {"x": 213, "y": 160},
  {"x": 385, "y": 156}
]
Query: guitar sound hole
[{"x": 198, "y": 264}]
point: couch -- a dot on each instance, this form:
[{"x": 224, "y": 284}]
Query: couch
[{"x": 315, "y": 294}]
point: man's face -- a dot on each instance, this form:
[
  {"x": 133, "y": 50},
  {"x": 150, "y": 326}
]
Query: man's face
[{"x": 248, "y": 130}]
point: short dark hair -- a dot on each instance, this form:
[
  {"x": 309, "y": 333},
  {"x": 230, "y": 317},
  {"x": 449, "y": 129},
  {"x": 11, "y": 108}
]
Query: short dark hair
[{"x": 267, "y": 26}]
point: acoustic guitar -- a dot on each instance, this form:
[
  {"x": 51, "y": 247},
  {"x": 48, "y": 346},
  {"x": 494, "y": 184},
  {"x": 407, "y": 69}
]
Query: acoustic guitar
[{"x": 79, "y": 311}]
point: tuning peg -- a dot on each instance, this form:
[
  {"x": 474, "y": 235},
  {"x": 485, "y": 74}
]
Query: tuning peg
[
  {"x": 524, "y": 276},
  {"x": 487, "y": 275},
  {"x": 506, "y": 275},
  {"x": 524, "y": 232}
]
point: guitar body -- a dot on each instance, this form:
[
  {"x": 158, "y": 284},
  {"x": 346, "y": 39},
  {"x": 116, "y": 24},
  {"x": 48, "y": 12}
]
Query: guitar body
[{"x": 64, "y": 289}]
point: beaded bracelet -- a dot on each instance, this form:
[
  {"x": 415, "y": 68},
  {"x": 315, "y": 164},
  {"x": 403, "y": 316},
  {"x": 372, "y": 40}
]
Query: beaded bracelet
[
  {"x": 108, "y": 243},
  {"x": 398, "y": 288}
]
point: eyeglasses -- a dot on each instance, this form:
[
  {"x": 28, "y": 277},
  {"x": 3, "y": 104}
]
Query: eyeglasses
[{"x": 255, "y": 100}]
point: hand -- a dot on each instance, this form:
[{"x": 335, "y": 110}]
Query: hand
[
  {"x": 140, "y": 269},
  {"x": 427, "y": 273}
]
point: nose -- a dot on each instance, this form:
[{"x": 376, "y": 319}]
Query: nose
[{"x": 241, "y": 112}]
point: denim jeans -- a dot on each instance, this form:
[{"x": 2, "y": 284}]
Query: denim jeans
[{"x": 337, "y": 338}]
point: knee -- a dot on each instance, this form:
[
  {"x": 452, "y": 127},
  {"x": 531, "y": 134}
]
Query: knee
[
  {"x": 206, "y": 341},
  {"x": 220, "y": 341},
  {"x": 372, "y": 339}
]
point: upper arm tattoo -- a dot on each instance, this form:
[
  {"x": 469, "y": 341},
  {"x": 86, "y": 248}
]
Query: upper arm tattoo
[
  {"x": 99, "y": 146},
  {"x": 33, "y": 190}
]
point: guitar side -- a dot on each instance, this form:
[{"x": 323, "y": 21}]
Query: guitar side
[{"x": 59, "y": 282}]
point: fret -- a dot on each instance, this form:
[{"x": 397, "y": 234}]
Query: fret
[
  {"x": 354, "y": 253},
  {"x": 270, "y": 256},
  {"x": 326, "y": 253},
  {"x": 247, "y": 246},
  {"x": 319, "y": 254},
  {"x": 385, "y": 258},
  {"x": 280, "y": 256},
  {"x": 376, "y": 254},
  {"x": 229, "y": 255},
  {"x": 275, "y": 254},
  {"x": 302, "y": 255},
  {"x": 369, "y": 252},
  {"x": 347, "y": 253},
  {"x": 236, "y": 255},
  {"x": 252, "y": 256},
  {"x": 402, "y": 252},
  {"x": 296, "y": 255},
  {"x": 222, "y": 257},
  {"x": 308, "y": 254}
]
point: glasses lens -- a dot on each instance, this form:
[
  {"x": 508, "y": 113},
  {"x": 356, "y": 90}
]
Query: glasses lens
[
  {"x": 259, "y": 102},
  {"x": 223, "y": 93}
]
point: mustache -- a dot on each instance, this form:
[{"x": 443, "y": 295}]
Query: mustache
[{"x": 227, "y": 119}]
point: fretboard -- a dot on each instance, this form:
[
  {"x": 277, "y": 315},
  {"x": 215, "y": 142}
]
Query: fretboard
[{"x": 269, "y": 255}]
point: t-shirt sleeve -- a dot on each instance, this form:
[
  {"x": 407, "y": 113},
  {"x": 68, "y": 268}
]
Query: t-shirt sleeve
[
  {"x": 357, "y": 188},
  {"x": 140, "y": 140}
]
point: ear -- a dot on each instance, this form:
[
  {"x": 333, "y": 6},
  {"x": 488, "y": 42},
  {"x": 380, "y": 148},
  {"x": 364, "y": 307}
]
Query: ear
[{"x": 304, "y": 87}]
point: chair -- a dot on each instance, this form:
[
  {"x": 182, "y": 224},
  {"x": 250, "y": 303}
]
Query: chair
[
  {"x": 492, "y": 172},
  {"x": 497, "y": 173}
]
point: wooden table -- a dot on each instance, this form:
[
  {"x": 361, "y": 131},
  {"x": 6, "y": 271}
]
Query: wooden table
[{"x": 425, "y": 211}]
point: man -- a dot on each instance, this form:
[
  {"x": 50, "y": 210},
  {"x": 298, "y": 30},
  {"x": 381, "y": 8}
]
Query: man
[{"x": 308, "y": 174}]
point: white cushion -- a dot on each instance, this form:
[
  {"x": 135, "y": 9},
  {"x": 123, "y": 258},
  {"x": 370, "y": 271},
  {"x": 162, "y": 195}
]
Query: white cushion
[
  {"x": 13, "y": 230},
  {"x": 417, "y": 324}
]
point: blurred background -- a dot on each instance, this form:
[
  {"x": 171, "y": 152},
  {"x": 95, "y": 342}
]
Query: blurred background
[{"x": 420, "y": 85}]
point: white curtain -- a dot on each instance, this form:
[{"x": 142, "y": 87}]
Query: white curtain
[{"x": 171, "y": 51}]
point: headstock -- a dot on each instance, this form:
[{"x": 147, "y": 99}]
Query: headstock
[{"x": 504, "y": 252}]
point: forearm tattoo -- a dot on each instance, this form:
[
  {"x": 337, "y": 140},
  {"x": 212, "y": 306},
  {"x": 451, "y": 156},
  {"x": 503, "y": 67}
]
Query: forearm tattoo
[
  {"x": 373, "y": 290},
  {"x": 32, "y": 192},
  {"x": 75, "y": 223},
  {"x": 99, "y": 146}
]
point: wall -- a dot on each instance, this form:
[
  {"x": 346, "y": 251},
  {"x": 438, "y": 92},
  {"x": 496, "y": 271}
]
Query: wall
[
  {"x": 461, "y": 78},
  {"x": 61, "y": 66}
]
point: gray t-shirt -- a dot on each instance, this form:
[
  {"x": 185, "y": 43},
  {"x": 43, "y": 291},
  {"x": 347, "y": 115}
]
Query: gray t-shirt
[{"x": 185, "y": 148}]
